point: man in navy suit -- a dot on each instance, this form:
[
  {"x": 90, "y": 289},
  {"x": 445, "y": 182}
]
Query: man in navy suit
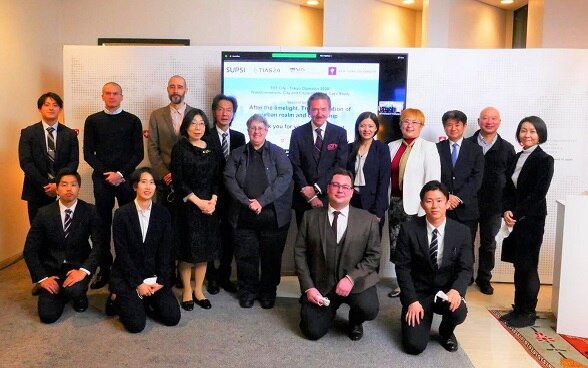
[
  {"x": 142, "y": 235},
  {"x": 462, "y": 169},
  {"x": 57, "y": 251},
  {"x": 45, "y": 148},
  {"x": 223, "y": 110},
  {"x": 317, "y": 148},
  {"x": 433, "y": 254}
]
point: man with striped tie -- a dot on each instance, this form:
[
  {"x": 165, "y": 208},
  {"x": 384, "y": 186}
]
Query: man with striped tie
[
  {"x": 434, "y": 267},
  {"x": 58, "y": 252},
  {"x": 45, "y": 148}
]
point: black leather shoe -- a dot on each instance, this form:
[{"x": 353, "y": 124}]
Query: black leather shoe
[
  {"x": 507, "y": 317},
  {"x": 267, "y": 303},
  {"x": 187, "y": 305},
  {"x": 246, "y": 301},
  {"x": 450, "y": 344},
  {"x": 202, "y": 303},
  {"x": 356, "y": 332},
  {"x": 110, "y": 309},
  {"x": 81, "y": 305},
  {"x": 212, "y": 287},
  {"x": 229, "y": 286},
  {"x": 101, "y": 281},
  {"x": 522, "y": 319},
  {"x": 486, "y": 289}
]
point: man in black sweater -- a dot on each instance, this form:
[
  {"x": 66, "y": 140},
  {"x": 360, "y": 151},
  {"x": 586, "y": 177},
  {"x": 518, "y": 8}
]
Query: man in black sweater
[{"x": 113, "y": 146}]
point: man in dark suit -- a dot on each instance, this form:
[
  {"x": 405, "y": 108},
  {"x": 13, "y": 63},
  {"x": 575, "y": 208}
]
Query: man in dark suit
[
  {"x": 337, "y": 254},
  {"x": 433, "y": 254},
  {"x": 462, "y": 168},
  {"x": 142, "y": 234},
  {"x": 45, "y": 148},
  {"x": 498, "y": 156},
  {"x": 57, "y": 251},
  {"x": 223, "y": 110},
  {"x": 317, "y": 148},
  {"x": 113, "y": 146}
]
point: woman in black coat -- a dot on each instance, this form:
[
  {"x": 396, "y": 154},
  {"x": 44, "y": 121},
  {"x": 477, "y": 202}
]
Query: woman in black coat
[
  {"x": 528, "y": 181},
  {"x": 369, "y": 161}
]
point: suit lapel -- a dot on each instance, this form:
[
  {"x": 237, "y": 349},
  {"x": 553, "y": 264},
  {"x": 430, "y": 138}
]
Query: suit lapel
[
  {"x": 56, "y": 222},
  {"x": 78, "y": 215},
  {"x": 448, "y": 246},
  {"x": 322, "y": 223},
  {"x": 169, "y": 124},
  {"x": 135, "y": 223}
]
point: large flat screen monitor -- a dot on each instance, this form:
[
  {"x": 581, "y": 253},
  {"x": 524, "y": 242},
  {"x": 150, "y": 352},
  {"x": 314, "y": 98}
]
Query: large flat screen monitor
[{"x": 278, "y": 84}]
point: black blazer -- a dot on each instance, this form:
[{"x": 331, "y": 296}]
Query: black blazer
[
  {"x": 528, "y": 199},
  {"x": 415, "y": 273},
  {"x": 46, "y": 247},
  {"x": 137, "y": 260},
  {"x": 376, "y": 170},
  {"x": 496, "y": 161},
  {"x": 465, "y": 179},
  {"x": 307, "y": 171},
  {"x": 32, "y": 154}
]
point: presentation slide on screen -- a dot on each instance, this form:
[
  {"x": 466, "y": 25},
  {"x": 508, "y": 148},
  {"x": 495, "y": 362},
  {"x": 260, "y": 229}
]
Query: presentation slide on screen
[{"x": 280, "y": 91}]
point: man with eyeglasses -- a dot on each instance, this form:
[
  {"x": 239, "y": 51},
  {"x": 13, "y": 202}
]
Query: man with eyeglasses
[
  {"x": 223, "y": 112},
  {"x": 317, "y": 148},
  {"x": 337, "y": 254}
]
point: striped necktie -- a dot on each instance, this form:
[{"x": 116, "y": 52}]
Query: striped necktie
[
  {"x": 225, "y": 145},
  {"x": 318, "y": 144},
  {"x": 67, "y": 222},
  {"x": 50, "y": 153},
  {"x": 433, "y": 248}
]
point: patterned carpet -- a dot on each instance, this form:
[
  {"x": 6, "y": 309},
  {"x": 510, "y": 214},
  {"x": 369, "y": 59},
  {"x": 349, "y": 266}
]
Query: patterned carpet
[{"x": 541, "y": 341}]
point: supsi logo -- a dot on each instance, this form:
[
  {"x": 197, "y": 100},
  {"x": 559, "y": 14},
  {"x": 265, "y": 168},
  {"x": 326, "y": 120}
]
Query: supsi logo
[{"x": 235, "y": 69}]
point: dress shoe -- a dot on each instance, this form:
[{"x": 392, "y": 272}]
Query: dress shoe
[
  {"x": 212, "y": 287},
  {"x": 101, "y": 281},
  {"x": 522, "y": 319},
  {"x": 267, "y": 303},
  {"x": 246, "y": 301},
  {"x": 507, "y": 317},
  {"x": 229, "y": 286},
  {"x": 486, "y": 289},
  {"x": 356, "y": 332},
  {"x": 110, "y": 309},
  {"x": 187, "y": 305},
  {"x": 202, "y": 303},
  {"x": 394, "y": 293},
  {"x": 81, "y": 305},
  {"x": 450, "y": 344}
]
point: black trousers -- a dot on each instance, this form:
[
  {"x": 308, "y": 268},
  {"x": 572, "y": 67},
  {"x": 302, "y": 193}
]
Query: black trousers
[
  {"x": 163, "y": 197},
  {"x": 104, "y": 195},
  {"x": 133, "y": 310},
  {"x": 416, "y": 338},
  {"x": 255, "y": 248},
  {"x": 315, "y": 320},
  {"x": 489, "y": 226},
  {"x": 50, "y": 306},
  {"x": 222, "y": 273}
]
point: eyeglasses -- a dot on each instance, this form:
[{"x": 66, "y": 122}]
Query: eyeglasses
[
  {"x": 407, "y": 122},
  {"x": 338, "y": 186}
]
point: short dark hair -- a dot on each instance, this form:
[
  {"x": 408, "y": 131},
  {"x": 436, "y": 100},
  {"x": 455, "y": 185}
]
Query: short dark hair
[
  {"x": 454, "y": 115},
  {"x": 67, "y": 171},
  {"x": 432, "y": 186},
  {"x": 318, "y": 96},
  {"x": 136, "y": 175},
  {"x": 539, "y": 125},
  {"x": 51, "y": 95},
  {"x": 220, "y": 97},
  {"x": 342, "y": 171},
  {"x": 188, "y": 117}
]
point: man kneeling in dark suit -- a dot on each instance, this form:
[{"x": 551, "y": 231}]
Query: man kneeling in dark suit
[
  {"x": 57, "y": 251},
  {"x": 433, "y": 254},
  {"x": 337, "y": 254}
]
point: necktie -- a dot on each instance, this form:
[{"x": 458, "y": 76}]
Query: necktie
[
  {"x": 67, "y": 222},
  {"x": 433, "y": 249},
  {"x": 332, "y": 248},
  {"x": 454, "y": 154},
  {"x": 225, "y": 145},
  {"x": 50, "y": 153},
  {"x": 334, "y": 224},
  {"x": 318, "y": 144}
]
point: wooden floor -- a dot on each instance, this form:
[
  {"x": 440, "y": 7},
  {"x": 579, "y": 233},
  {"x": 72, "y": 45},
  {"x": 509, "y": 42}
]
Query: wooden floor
[{"x": 485, "y": 341}]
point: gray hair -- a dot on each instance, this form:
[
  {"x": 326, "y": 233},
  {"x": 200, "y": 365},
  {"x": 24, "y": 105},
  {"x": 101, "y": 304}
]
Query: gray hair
[{"x": 257, "y": 118}]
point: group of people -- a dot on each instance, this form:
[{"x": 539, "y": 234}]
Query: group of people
[{"x": 209, "y": 197}]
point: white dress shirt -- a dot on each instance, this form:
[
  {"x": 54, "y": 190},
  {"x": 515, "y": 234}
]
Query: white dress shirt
[{"x": 440, "y": 239}]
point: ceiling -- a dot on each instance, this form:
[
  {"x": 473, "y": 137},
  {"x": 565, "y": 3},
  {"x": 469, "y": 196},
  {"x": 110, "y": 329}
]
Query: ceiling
[{"x": 418, "y": 4}]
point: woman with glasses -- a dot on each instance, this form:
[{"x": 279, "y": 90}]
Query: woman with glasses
[
  {"x": 258, "y": 177},
  {"x": 369, "y": 161},
  {"x": 196, "y": 166},
  {"x": 414, "y": 162}
]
